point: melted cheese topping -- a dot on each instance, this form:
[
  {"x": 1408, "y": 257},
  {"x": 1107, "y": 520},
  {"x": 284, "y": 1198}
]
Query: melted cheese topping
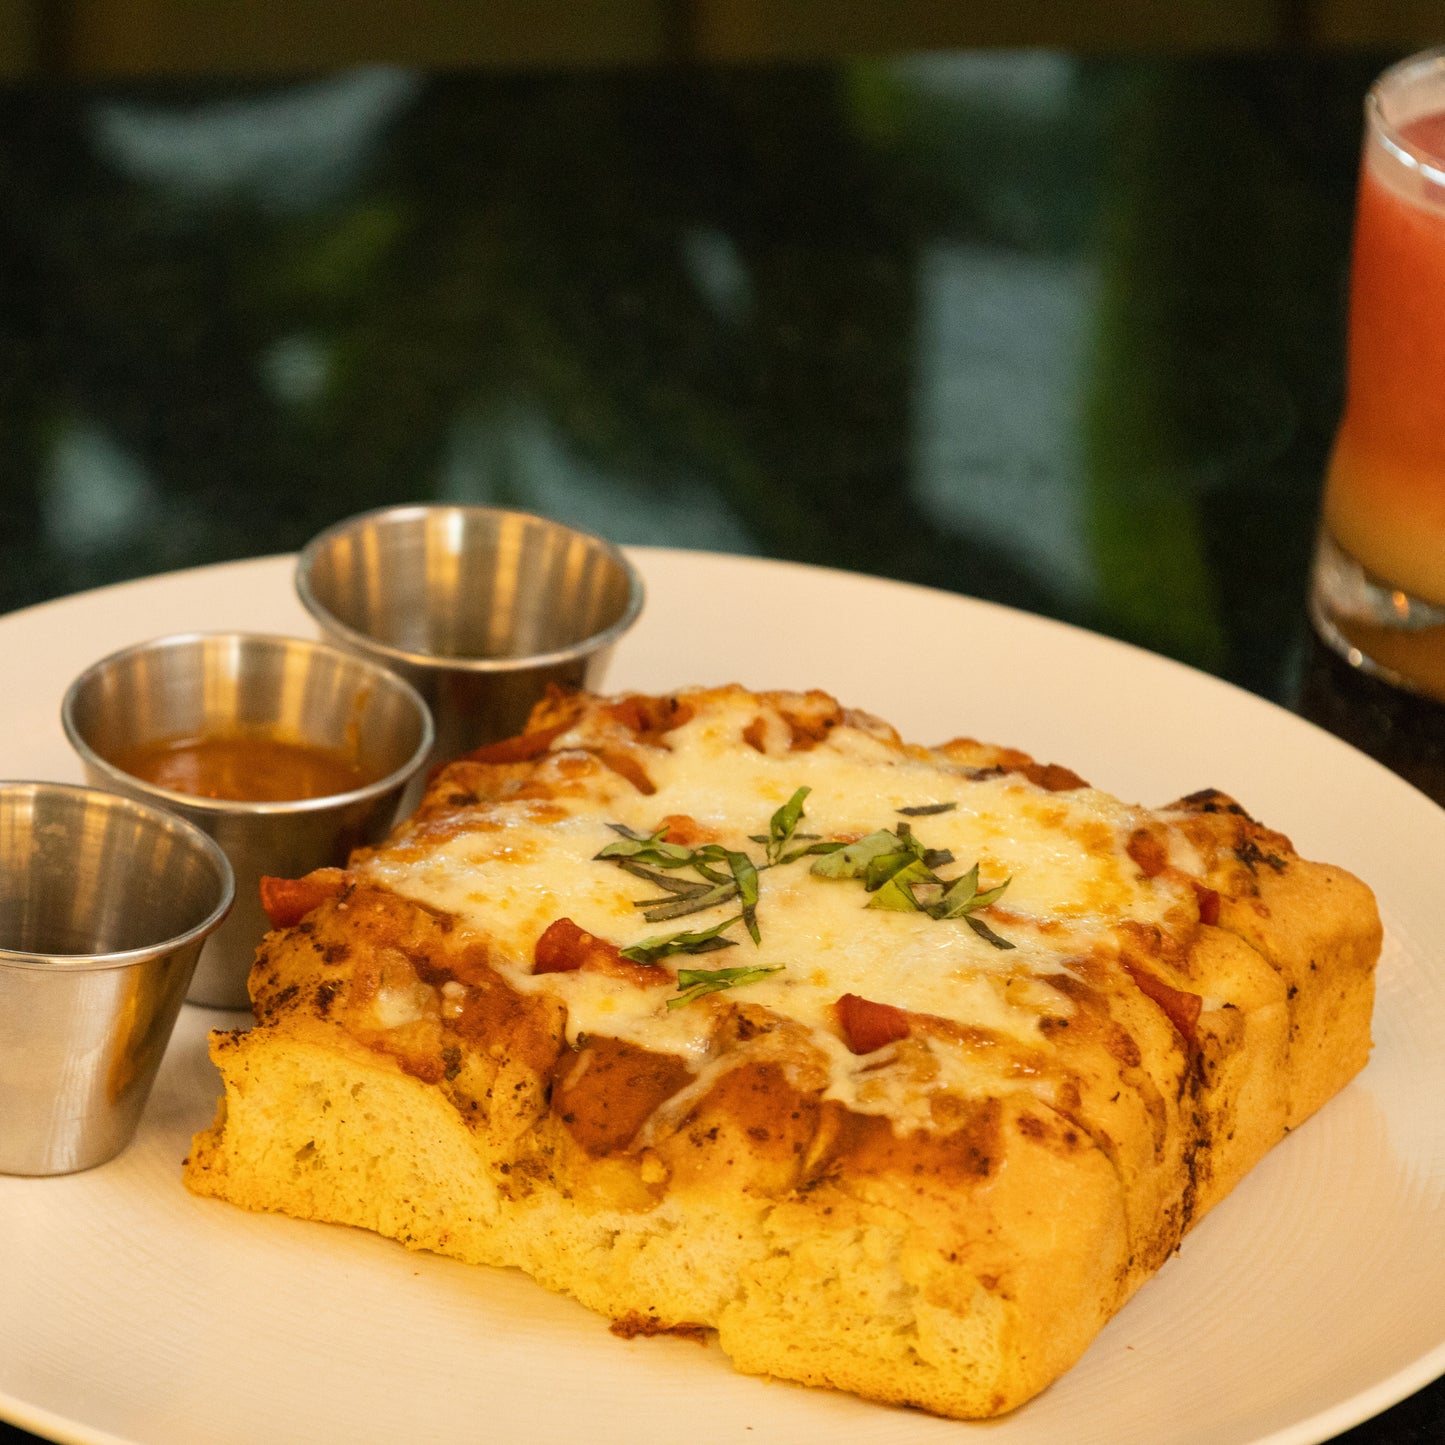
[{"x": 1071, "y": 880}]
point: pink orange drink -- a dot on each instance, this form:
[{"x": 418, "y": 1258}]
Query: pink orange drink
[{"x": 1379, "y": 584}]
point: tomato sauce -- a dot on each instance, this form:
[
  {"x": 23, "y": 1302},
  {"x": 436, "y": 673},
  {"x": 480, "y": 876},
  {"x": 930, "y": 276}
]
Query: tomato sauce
[{"x": 239, "y": 767}]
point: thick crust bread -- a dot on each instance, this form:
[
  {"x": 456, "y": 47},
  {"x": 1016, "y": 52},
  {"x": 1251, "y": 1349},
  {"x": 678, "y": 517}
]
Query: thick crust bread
[{"x": 912, "y": 1145}]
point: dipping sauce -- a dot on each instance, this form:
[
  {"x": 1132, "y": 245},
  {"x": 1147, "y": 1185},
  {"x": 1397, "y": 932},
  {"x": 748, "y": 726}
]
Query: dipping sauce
[{"x": 242, "y": 768}]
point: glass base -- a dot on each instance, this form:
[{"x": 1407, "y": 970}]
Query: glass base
[{"x": 1374, "y": 626}]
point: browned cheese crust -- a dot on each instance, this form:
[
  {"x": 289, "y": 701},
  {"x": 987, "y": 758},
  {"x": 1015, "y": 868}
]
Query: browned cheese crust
[{"x": 957, "y": 1255}]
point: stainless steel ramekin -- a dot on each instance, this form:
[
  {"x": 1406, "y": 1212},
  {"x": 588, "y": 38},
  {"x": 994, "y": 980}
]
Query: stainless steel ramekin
[
  {"x": 298, "y": 691},
  {"x": 478, "y": 608},
  {"x": 105, "y": 904}
]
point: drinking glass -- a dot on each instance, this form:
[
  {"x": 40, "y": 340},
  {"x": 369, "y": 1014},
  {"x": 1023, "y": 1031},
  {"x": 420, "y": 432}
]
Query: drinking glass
[{"x": 1378, "y": 588}]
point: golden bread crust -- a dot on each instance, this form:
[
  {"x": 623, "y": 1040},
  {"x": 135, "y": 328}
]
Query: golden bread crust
[{"x": 944, "y": 1218}]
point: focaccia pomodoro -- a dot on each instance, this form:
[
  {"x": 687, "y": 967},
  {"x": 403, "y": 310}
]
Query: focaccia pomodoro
[{"x": 900, "y": 1068}]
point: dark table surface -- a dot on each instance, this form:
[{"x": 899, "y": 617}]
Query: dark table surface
[{"x": 1060, "y": 332}]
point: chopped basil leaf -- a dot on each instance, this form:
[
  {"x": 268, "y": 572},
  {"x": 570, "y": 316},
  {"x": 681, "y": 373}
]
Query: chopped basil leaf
[
  {"x": 883, "y": 867},
  {"x": 895, "y": 868},
  {"x": 784, "y": 823},
  {"x": 896, "y": 892},
  {"x": 851, "y": 861},
  {"x": 705, "y": 940},
  {"x": 651, "y": 849},
  {"x": 695, "y": 982},
  {"x": 711, "y": 860},
  {"x": 958, "y": 897},
  {"x": 659, "y": 910},
  {"x": 962, "y": 896},
  {"x": 823, "y": 847},
  {"x": 745, "y": 876},
  {"x": 986, "y": 933},
  {"x": 899, "y": 872},
  {"x": 991, "y": 895},
  {"x": 683, "y": 887}
]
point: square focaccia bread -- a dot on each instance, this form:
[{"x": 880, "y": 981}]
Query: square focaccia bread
[{"x": 900, "y": 1068}]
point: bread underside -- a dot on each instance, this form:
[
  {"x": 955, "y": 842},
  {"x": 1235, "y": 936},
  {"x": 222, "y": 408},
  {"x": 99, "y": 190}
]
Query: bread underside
[{"x": 957, "y": 1259}]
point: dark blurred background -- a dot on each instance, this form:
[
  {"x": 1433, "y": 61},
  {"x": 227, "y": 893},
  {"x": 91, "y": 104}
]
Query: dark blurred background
[{"x": 1043, "y": 308}]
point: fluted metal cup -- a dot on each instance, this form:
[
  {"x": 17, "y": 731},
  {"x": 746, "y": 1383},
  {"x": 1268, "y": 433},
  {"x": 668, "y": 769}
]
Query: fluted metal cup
[
  {"x": 478, "y": 608},
  {"x": 105, "y": 904},
  {"x": 286, "y": 688}
]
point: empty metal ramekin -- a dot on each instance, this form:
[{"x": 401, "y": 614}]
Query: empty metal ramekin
[
  {"x": 478, "y": 608},
  {"x": 105, "y": 904},
  {"x": 287, "y": 688}
]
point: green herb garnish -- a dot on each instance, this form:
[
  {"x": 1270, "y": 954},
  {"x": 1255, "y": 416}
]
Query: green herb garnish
[
  {"x": 745, "y": 877},
  {"x": 876, "y": 858},
  {"x": 646, "y": 848},
  {"x": 895, "y": 892},
  {"x": 660, "y": 910},
  {"x": 961, "y": 897},
  {"x": 694, "y": 982},
  {"x": 987, "y": 934},
  {"x": 683, "y": 887},
  {"x": 722, "y": 873},
  {"x": 783, "y": 824},
  {"x": 704, "y": 940},
  {"x": 783, "y": 830},
  {"x": 895, "y": 868},
  {"x": 898, "y": 871},
  {"x": 852, "y": 860}
]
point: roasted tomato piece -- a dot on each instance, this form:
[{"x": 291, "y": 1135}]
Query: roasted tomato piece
[
  {"x": 519, "y": 749},
  {"x": 288, "y": 900},
  {"x": 1208, "y": 904},
  {"x": 867, "y": 1025},
  {"x": 565, "y": 948},
  {"x": 1182, "y": 1008},
  {"x": 562, "y": 948},
  {"x": 650, "y": 717}
]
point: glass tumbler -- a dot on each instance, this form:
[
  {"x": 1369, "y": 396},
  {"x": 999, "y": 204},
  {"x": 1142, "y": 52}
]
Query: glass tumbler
[{"x": 1378, "y": 588}]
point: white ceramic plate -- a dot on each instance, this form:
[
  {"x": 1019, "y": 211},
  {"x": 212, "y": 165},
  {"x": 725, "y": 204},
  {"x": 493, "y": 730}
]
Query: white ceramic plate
[{"x": 1309, "y": 1300}]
